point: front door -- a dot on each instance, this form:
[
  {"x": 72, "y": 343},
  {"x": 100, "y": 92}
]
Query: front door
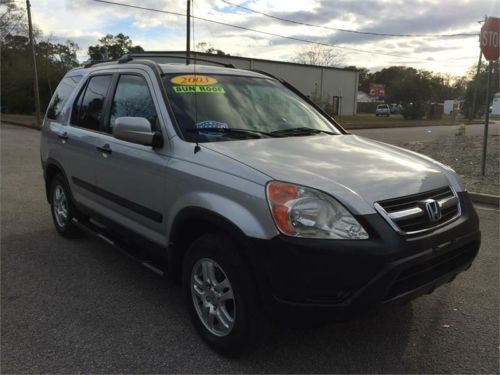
[{"x": 130, "y": 178}]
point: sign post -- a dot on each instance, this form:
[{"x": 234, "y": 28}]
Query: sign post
[{"x": 489, "y": 41}]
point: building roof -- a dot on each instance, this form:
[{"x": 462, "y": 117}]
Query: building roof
[{"x": 210, "y": 55}]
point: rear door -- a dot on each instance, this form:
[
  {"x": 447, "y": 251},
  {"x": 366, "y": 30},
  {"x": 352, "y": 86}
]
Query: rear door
[
  {"x": 130, "y": 178},
  {"x": 79, "y": 139}
]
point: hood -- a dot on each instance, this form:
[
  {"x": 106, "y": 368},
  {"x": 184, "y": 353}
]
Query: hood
[{"x": 355, "y": 170}]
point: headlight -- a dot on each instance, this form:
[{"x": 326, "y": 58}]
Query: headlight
[{"x": 304, "y": 212}]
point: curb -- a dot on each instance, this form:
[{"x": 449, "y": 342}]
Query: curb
[
  {"x": 489, "y": 199},
  {"x": 399, "y": 125}
]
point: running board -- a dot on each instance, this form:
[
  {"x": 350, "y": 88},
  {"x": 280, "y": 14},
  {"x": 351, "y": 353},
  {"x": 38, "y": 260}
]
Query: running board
[{"x": 136, "y": 254}]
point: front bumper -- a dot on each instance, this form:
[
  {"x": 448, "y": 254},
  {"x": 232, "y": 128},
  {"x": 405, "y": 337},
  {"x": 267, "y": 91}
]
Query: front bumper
[{"x": 355, "y": 275}]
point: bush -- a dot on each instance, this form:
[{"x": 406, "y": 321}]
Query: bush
[{"x": 414, "y": 111}]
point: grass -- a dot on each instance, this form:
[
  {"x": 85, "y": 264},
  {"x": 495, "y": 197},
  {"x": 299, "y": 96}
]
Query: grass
[
  {"x": 22, "y": 120},
  {"x": 360, "y": 121},
  {"x": 364, "y": 120}
]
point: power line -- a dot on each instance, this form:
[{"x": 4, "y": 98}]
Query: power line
[
  {"x": 350, "y": 31},
  {"x": 259, "y": 31}
]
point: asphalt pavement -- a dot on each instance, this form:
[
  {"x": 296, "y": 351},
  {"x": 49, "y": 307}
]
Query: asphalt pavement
[{"x": 72, "y": 306}]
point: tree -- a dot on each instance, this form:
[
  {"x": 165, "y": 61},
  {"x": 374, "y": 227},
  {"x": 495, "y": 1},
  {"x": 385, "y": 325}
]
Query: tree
[
  {"x": 315, "y": 54},
  {"x": 12, "y": 21},
  {"x": 470, "y": 86},
  {"x": 364, "y": 77},
  {"x": 209, "y": 48},
  {"x": 113, "y": 47},
  {"x": 53, "y": 61}
]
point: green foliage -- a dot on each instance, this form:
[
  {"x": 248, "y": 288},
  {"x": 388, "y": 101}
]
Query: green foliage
[
  {"x": 113, "y": 47},
  {"x": 412, "y": 88},
  {"x": 415, "y": 110},
  {"x": 364, "y": 77},
  {"x": 53, "y": 61},
  {"x": 481, "y": 89}
]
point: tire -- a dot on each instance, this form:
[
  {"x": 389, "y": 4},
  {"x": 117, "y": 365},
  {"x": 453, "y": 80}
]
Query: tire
[
  {"x": 204, "y": 291},
  {"x": 62, "y": 208}
]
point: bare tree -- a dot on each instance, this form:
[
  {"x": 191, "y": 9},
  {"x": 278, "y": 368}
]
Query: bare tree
[
  {"x": 12, "y": 20},
  {"x": 315, "y": 54},
  {"x": 208, "y": 47}
]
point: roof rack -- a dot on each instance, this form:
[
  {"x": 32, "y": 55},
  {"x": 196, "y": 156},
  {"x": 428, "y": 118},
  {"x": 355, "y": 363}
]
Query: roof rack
[
  {"x": 130, "y": 57},
  {"x": 146, "y": 55}
]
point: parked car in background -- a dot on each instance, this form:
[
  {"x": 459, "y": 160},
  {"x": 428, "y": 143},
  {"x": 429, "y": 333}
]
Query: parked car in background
[
  {"x": 396, "y": 109},
  {"x": 383, "y": 110},
  {"x": 249, "y": 195}
]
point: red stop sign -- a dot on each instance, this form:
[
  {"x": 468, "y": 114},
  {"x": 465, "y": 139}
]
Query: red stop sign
[{"x": 489, "y": 39}]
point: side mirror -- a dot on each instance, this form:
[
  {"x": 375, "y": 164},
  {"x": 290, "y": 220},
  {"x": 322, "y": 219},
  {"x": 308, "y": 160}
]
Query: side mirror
[{"x": 137, "y": 130}]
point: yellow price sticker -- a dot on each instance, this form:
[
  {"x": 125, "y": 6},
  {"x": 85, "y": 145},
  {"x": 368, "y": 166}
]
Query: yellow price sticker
[{"x": 193, "y": 79}]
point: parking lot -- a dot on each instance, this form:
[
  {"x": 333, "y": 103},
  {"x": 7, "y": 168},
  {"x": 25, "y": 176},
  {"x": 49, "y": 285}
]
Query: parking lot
[{"x": 82, "y": 306}]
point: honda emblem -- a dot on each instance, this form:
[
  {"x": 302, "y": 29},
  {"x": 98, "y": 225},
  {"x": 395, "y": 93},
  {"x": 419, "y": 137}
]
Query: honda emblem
[{"x": 433, "y": 210}]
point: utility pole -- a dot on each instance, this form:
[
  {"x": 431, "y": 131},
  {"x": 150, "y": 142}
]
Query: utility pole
[
  {"x": 35, "y": 72},
  {"x": 188, "y": 31},
  {"x": 476, "y": 83},
  {"x": 486, "y": 120}
]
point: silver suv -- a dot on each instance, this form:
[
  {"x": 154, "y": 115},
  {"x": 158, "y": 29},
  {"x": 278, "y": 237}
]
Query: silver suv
[{"x": 233, "y": 183}]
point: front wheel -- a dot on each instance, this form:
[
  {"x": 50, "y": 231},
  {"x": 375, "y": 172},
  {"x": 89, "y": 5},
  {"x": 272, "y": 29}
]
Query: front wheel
[{"x": 220, "y": 294}]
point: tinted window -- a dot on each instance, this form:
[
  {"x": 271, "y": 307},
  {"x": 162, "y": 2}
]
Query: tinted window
[
  {"x": 61, "y": 96},
  {"x": 88, "y": 109},
  {"x": 132, "y": 98}
]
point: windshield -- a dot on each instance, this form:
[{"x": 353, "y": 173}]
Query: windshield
[{"x": 224, "y": 107}]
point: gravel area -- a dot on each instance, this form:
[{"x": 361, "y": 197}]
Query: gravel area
[{"x": 463, "y": 154}]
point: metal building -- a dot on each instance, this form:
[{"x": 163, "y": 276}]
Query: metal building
[{"x": 335, "y": 86}]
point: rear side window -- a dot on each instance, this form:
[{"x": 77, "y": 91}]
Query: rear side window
[
  {"x": 63, "y": 92},
  {"x": 132, "y": 98},
  {"x": 88, "y": 108}
]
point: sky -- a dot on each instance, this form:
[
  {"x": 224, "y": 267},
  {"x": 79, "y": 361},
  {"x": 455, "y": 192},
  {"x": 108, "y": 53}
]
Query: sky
[{"x": 85, "y": 21}]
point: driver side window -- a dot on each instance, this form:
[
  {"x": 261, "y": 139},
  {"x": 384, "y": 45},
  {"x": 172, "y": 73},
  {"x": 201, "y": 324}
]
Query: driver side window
[{"x": 132, "y": 99}]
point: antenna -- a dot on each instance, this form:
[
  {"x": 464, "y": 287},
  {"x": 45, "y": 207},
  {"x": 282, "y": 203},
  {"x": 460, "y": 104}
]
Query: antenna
[
  {"x": 197, "y": 148},
  {"x": 188, "y": 31}
]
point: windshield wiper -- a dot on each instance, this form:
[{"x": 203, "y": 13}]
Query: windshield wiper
[
  {"x": 299, "y": 131},
  {"x": 234, "y": 131}
]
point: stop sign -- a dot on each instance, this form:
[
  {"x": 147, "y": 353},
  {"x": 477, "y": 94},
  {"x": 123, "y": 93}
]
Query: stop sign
[{"x": 490, "y": 38}]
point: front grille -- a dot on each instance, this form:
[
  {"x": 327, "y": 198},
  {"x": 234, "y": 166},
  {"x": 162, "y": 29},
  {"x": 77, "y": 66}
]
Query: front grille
[
  {"x": 423, "y": 273},
  {"x": 411, "y": 215}
]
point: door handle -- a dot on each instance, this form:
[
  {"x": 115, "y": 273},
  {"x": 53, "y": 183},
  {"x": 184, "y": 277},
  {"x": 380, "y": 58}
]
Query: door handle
[
  {"x": 63, "y": 136},
  {"x": 105, "y": 149}
]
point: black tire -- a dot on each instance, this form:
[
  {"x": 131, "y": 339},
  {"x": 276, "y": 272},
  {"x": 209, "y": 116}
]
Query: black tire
[
  {"x": 67, "y": 228},
  {"x": 220, "y": 249}
]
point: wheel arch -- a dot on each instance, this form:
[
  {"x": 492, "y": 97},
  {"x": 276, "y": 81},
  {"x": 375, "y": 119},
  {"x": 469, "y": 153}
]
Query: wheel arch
[
  {"x": 52, "y": 168},
  {"x": 191, "y": 223}
]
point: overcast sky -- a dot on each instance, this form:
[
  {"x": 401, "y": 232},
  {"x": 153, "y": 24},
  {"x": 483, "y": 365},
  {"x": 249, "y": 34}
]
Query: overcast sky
[{"x": 85, "y": 21}]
